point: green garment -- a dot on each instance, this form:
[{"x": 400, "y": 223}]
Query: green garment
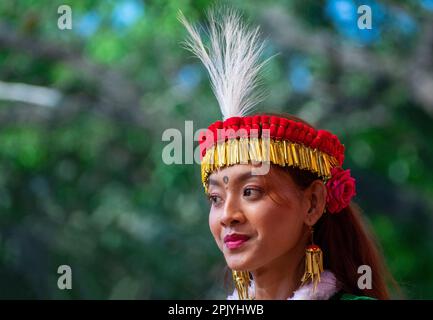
[{"x": 347, "y": 296}]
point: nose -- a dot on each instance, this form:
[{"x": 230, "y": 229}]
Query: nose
[{"x": 232, "y": 214}]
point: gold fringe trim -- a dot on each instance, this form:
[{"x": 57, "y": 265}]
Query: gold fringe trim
[
  {"x": 254, "y": 150},
  {"x": 313, "y": 265},
  {"x": 242, "y": 282}
]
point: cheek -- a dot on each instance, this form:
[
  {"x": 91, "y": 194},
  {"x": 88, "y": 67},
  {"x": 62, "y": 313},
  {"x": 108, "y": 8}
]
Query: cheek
[
  {"x": 215, "y": 226},
  {"x": 280, "y": 227}
]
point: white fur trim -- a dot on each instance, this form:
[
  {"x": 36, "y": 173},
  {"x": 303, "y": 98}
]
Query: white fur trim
[{"x": 326, "y": 288}]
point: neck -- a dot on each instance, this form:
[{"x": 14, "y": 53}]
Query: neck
[{"x": 280, "y": 278}]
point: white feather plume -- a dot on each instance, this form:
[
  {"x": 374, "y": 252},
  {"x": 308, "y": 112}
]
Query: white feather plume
[{"x": 232, "y": 60}]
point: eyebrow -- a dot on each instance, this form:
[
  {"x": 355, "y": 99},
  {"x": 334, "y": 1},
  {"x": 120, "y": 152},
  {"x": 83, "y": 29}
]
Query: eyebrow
[{"x": 242, "y": 177}]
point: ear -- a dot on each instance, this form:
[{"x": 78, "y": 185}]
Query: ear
[{"x": 315, "y": 202}]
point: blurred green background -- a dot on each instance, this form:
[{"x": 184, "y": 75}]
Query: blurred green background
[{"x": 82, "y": 112}]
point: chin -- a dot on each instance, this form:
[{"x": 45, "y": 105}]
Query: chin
[{"x": 238, "y": 261}]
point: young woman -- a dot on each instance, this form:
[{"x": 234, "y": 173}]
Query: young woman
[{"x": 281, "y": 210}]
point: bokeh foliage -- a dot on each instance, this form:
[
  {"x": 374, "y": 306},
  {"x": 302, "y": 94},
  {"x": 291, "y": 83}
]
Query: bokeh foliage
[{"x": 82, "y": 181}]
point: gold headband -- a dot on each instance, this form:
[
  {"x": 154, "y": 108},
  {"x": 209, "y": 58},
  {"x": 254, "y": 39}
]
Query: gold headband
[{"x": 255, "y": 150}]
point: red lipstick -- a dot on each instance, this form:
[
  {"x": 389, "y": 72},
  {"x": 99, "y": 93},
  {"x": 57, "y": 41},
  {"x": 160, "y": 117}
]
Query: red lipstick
[{"x": 235, "y": 240}]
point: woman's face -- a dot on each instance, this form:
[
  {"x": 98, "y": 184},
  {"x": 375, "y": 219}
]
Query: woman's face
[{"x": 249, "y": 227}]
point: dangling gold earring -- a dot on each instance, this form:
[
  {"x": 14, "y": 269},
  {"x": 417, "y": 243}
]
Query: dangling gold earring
[
  {"x": 242, "y": 282},
  {"x": 313, "y": 263}
]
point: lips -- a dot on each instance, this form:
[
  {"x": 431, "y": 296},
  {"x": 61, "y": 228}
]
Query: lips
[{"x": 235, "y": 240}]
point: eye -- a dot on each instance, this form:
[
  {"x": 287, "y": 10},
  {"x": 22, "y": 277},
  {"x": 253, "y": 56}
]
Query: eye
[
  {"x": 252, "y": 193},
  {"x": 214, "y": 200}
]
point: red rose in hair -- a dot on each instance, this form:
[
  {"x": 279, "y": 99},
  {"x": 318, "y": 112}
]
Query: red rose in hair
[{"x": 341, "y": 189}]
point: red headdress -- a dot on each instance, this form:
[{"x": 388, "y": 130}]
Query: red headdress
[{"x": 232, "y": 60}]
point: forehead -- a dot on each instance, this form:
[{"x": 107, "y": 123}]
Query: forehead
[
  {"x": 238, "y": 172},
  {"x": 232, "y": 171}
]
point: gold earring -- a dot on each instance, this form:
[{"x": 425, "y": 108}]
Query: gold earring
[
  {"x": 313, "y": 263},
  {"x": 242, "y": 282}
]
